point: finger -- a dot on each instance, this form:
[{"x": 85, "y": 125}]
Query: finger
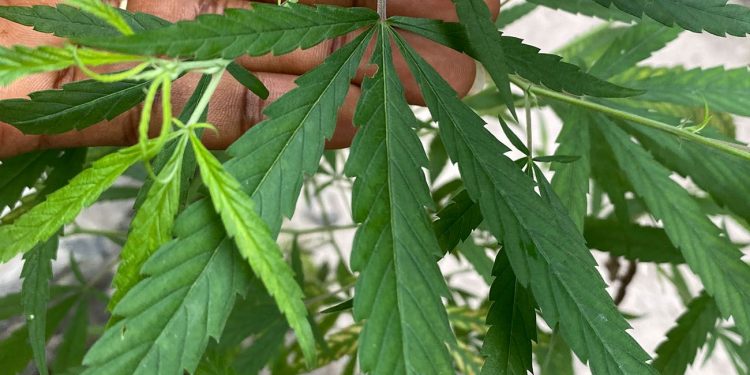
[{"x": 233, "y": 110}]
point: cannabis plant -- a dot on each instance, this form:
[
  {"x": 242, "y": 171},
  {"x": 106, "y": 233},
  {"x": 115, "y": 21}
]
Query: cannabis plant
[{"x": 209, "y": 280}]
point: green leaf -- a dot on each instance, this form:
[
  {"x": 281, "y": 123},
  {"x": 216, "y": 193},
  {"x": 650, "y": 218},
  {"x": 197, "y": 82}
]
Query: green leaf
[
  {"x": 19, "y": 61},
  {"x": 721, "y": 89},
  {"x": 715, "y": 16},
  {"x": 545, "y": 249},
  {"x": 399, "y": 290},
  {"x": 477, "y": 256},
  {"x": 456, "y": 221},
  {"x": 20, "y": 173},
  {"x": 485, "y": 41},
  {"x": 512, "y": 14},
  {"x": 587, "y": 8},
  {"x": 168, "y": 317},
  {"x": 255, "y": 244},
  {"x": 44, "y": 220},
  {"x": 674, "y": 355},
  {"x": 248, "y": 80},
  {"x": 522, "y": 59},
  {"x": 636, "y": 44},
  {"x": 553, "y": 355},
  {"x": 571, "y": 180},
  {"x": 70, "y": 353},
  {"x": 35, "y": 294},
  {"x": 77, "y": 106},
  {"x": 104, "y": 12},
  {"x": 634, "y": 242},
  {"x": 266, "y": 28},
  {"x": 152, "y": 225},
  {"x": 725, "y": 276},
  {"x": 512, "y": 322},
  {"x": 69, "y": 22},
  {"x": 15, "y": 351},
  {"x": 438, "y": 158}
]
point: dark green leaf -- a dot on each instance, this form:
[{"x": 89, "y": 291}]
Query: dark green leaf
[
  {"x": 266, "y": 28},
  {"x": 725, "y": 276},
  {"x": 399, "y": 289},
  {"x": 21, "y": 172},
  {"x": 35, "y": 294},
  {"x": 634, "y": 242},
  {"x": 248, "y": 80},
  {"x": 545, "y": 249},
  {"x": 512, "y": 322},
  {"x": 513, "y": 14},
  {"x": 456, "y": 221},
  {"x": 571, "y": 180},
  {"x": 587, "y": 8},
  {"x": 553, "y": 355},
  {"x": 674, "y": 355},
  {"x": 70, "y": 353}
]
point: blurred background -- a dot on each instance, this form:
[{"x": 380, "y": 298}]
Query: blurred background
[{"x": 95, "y": 239}]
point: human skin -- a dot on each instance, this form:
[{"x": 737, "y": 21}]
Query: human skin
[{"x": 233, "y": 108}]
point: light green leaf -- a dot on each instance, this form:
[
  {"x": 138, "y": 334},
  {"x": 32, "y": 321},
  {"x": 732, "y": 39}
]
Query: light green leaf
[
  {"x": 168, "y": 317},
  {"x": 715, "y": 16},
  {"x": 674, "y": 355},
  {"x": 266, "y": 28},
  {"x": 398, "y": 293},
  {"x": 545, "y": 249},
  {"x": 152, "y": 225},
  {"x": 19, "y": 61},
  {"x": 104, "y": 12},
  {"x": 44, "y": 220},
  {"x": 35, "y": 294},
  {"x": 708, "y": 253},
  {"x": 636, "y": 44},
  {"x": 255, "y": 244},
  {"x": 512, "y": 322},
  {"x": 721, "y": 89}
]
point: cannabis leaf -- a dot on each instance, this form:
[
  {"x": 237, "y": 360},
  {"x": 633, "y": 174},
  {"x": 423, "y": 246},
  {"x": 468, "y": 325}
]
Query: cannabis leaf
[
  {"x": 522, "y": 59},
  {"x": 545, "y": 249},
  {"x": 456, "y": 221},
  {"x": 635, "y": 242},
  {"x": 484, "y": 40},
  {"x": 571, "y": 180},
  {"x": 715, "y": 16},
  {"x": 70, "y": 22},
  {"x": 255, "y": 243},
  {"x": 19, "y": 61},
  {"x": 264, "y": 29},
  {"x": 725, "y": 276},
  {"x": 399, "y": 288},
  {"x": 77, "y": 106},
  {"x": 62, "y": 206},
  {"x": 512, "y": 14},
  {"x": 586, "y": 7},
  {"x": 21, "y": 172},
  {"x": 674, "y": 355},
  {"x": 168, "y": 317},
  {"x": 634, "y": 45},
  {"x": 37, "y": 274},
  {"x": 721, "y": 89},
  {"x": 512, "y": 322}
]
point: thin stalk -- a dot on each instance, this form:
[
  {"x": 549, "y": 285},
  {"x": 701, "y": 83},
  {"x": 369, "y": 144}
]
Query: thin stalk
[
  {"x": 736, "y": 150},
  {"x": 382, "y": 6},
  {"x": 206, "y": 98}
]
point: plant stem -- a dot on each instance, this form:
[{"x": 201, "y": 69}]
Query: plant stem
[
  {"x": 736, "y": 150},
  {"x": 382, "y": 5},
  {"x": 328, "y": 228},
  {"x": 206, "y": 98}
]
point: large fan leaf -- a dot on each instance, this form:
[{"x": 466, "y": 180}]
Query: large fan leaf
[
  {"x": 399, "y": 289},
  {"x": 512, "y": 322},
  {"x": 264, "y": 29},
  {"x": 674, "y": 355},
  {"x": 544, "y": 247},
  {"x": 715, "y": 16},
  {"x": 522, "y": 59},
  {"x": 62, "y": 206},
  {"x": 708, "y": 253},
  {"x": 169, "y": 316}
]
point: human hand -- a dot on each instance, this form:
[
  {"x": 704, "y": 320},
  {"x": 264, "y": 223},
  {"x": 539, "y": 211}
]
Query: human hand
[{"x": 233, "y": 108}]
